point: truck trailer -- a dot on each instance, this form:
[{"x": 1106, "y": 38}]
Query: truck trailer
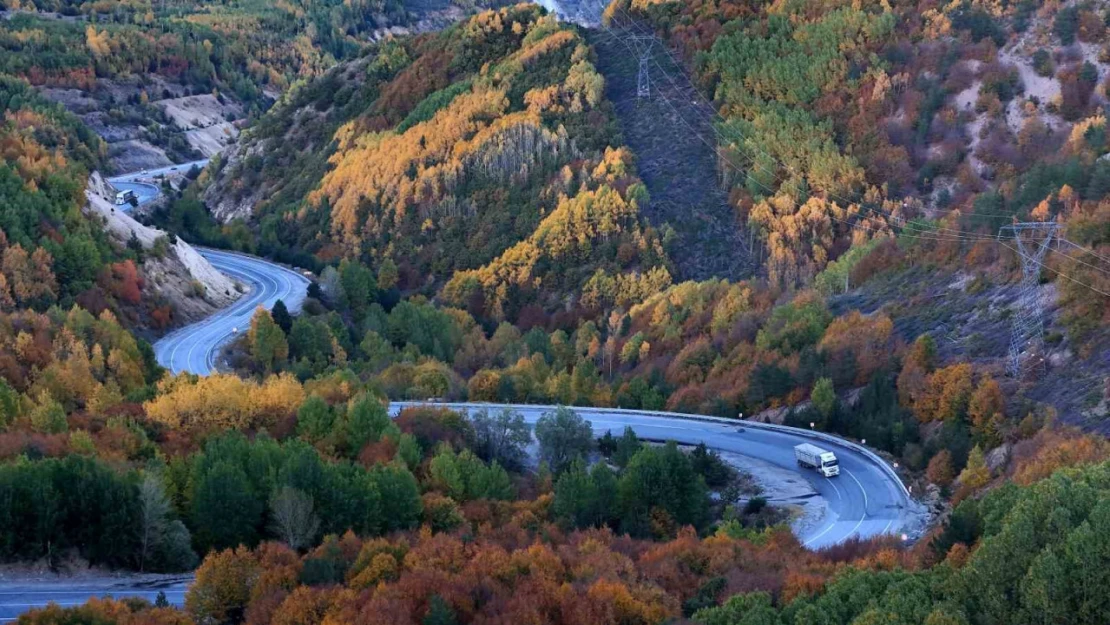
[{"x": 813, "y": 457}]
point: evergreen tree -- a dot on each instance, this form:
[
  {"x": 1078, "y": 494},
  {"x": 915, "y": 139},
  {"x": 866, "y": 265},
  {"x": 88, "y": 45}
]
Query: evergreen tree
[
  {"x": 400, "y": 496},
  {"x": 282, "y": 317},
  {"x": 408, "y": 451},
  {"x": 628, "y": 445},
  {"x": 367, "y": 420},
  {"x": 575, "y": 497},
  {"x": 315, "y": 419},
  {"x": 225, "y": 511},
  {"x": 439, "y": 612},
  {"x": 660, "y": 480},
  {"x": 359, "y": 287}
]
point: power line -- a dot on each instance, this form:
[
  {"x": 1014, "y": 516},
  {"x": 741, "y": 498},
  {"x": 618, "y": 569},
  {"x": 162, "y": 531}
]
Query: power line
[
  {"x": 727, "y": 141},
  {"x": 923, "y": 232},
  {"x": 713, "y": 115},
  {"x": 1086, "y": 250},
  {"x": 939, "y": 234}
]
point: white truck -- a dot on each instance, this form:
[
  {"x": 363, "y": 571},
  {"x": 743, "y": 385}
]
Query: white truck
[
  {"x": 123, "y": 197},
  {"x": 814, "y": 457}
]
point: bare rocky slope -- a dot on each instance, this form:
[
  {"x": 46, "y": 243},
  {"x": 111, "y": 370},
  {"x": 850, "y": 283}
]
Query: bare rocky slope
[
  {"x": 181, "y": 275},
  {"x": 970, "y": 320}
]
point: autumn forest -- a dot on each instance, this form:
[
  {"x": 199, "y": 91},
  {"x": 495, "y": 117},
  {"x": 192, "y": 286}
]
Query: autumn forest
[{"x": 472, "y": 197}]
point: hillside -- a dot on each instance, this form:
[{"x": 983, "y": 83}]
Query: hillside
[
  {"x": 802, "y": 223},
  {"x": 483, "y": 163},
  {"x": 166, "y": 84},
  {"x": 842, "y": 125},
  {"x": 678, "y": 165}
]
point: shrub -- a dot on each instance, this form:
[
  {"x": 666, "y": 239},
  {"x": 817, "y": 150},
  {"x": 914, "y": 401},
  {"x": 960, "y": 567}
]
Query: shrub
[{"x": 1042, "y": 63}]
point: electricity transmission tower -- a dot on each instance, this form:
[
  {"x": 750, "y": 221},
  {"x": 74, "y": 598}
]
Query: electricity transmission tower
[
  {"x": 1027, "y": 332},
  {"x": 642, "y": 44}
]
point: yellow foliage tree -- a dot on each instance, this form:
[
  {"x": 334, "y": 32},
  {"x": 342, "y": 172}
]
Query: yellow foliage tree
[
  {"x": 222, "y": 589},
  {"x": 946, "y": 394},
  {"x": 220, "y": 402},
  {"x": 976, "y": 474}
]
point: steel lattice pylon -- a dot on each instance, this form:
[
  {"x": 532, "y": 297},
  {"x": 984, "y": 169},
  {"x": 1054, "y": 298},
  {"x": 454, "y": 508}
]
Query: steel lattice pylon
[
  {"x": 642, "y": 45},
  {"x": 1027, "y": 332}
]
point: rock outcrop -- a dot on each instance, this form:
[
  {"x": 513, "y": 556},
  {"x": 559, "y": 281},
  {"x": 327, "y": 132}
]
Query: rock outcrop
[{"x": 175, "y": 270}]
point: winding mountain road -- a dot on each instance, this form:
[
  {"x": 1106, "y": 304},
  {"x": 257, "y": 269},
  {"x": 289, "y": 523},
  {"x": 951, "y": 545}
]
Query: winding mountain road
[
  {"x": 866, "y": 500},
  {"x": 18, "y": 597},
  {"x": 143, "y": 183},
  {"x": 193, "y": 348}
]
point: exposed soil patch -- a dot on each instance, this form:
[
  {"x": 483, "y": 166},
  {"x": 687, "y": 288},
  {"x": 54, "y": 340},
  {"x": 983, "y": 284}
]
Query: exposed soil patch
[
  {"x": 181, "y": 276},
  {"x": 205, "y": 120},
  {"x": 135, "y": 155},
  {"x": 784, "y": 489},
  {"x": 151, "y": 123}
]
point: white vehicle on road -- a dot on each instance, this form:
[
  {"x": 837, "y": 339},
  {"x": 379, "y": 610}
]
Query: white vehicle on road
[
  {"x": 123, "y": 197},
  {"x": 814, "y": 457}
]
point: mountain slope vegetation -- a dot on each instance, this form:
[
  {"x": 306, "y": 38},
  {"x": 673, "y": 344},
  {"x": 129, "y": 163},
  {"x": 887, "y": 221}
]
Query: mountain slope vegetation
[
  {"x": 483, "y": 160},
  {"x": 476, "y": 230}
]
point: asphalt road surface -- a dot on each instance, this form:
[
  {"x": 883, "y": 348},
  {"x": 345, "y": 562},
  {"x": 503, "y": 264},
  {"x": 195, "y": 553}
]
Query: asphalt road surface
[
  {"x": 161, "y": 171},
  {"x": 865, "y": 500},
  {"x": 143, "y": 182},
  {"x": 194, "y": 348},
  {"x": 18, "y": 597}
]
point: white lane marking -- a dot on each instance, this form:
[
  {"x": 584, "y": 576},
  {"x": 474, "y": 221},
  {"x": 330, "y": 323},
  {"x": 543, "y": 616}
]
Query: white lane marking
[
  {"x": 861, "y": 489},
  {"x": 246, "y": 269},
  {"x": 64, "y": 604},
  {"x": 259, "y": 279},
  {"x": 839, "y": 498},
  {"x": 864, "y": 491},
  {"x": 183, "y": 333},
  {"x": 831, "y": 525},
  {"x": 601, "y": 424}
]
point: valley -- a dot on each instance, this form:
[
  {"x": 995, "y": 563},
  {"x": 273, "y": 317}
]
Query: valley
[{"x": 710, "y": 312}]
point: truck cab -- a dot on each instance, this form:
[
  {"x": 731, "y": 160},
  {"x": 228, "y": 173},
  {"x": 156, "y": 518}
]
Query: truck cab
[
  {"x": 821, "y": 460},
  {"x": 123, "y": 197},
  {"x": 830, "y": 466}
]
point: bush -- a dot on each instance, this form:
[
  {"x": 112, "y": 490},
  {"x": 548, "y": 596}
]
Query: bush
[
  {"x": 1066, "y": 25},
  {"x": 161, "y": 247},
  {"x": 1042, "y": 63},
  {"x": 755, "y": 505}
]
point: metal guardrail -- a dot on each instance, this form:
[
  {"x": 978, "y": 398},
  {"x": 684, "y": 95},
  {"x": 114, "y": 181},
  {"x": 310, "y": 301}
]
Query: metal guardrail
[
  {"x": 287, "y": 267},
  {"x": 786, "y": 429}
]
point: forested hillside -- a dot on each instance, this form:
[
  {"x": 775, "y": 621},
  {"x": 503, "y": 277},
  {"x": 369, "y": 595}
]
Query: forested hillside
[
  {"x": 842, "y": 123},
  {"x": 52, "y": 254},
  {"x": 479, "y": 164},
  {"x": 476, "y": 228}
]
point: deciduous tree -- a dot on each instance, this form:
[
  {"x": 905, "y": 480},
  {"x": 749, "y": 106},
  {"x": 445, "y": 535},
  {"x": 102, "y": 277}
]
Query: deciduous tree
[{"x": 563, "y": 436}]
